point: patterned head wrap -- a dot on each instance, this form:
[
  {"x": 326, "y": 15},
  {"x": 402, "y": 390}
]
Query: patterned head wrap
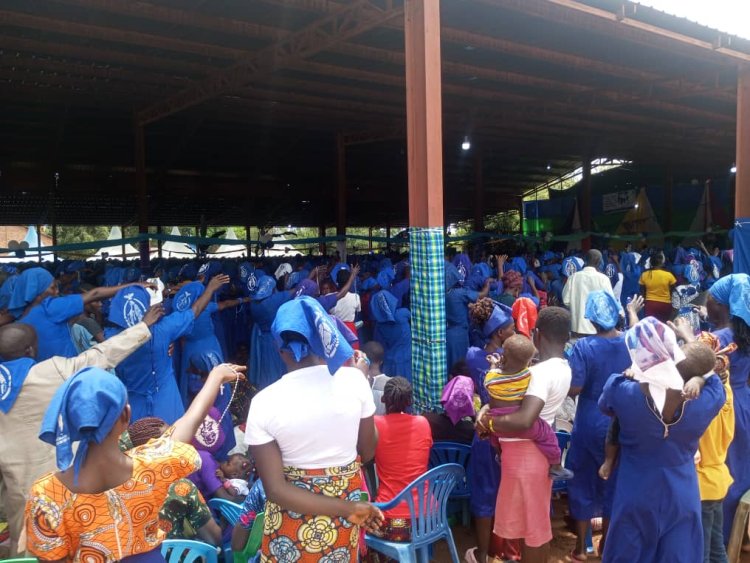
[
  {"x": 734, "y": 292},
  {"x": 603, "y": 309},
  {"x": 525, "y": 314},
  {"x": 458, "y": 398},
  {"x": 655, "y": 354}
]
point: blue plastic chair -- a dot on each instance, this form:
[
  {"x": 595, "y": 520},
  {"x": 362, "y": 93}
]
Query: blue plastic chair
[
  {"x": 188, "y": 551},
  {"x": 563, "y": 440},
  {"x": 229, "y": 511},
  {"x": 453, "y": 452},
  {"x": 427, "y": 499}
]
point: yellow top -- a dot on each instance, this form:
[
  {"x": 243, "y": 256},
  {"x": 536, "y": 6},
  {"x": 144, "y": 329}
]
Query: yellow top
[
  {"x": 657, "y": 284},
  {"x": 713, "y": 474}
]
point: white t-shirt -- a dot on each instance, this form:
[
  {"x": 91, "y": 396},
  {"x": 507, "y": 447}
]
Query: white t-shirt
[
  {"x": 378, "y": 386},
  {"x": 550, "y": 382},
  {"x": 347, "y": 307},
  {"x": 312, "y": 415}
]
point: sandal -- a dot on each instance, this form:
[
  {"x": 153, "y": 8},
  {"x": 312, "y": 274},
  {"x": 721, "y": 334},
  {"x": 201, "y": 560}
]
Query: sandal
[
  {"x": 575, "y": 557},
  {"x": 469, "y": 556}
]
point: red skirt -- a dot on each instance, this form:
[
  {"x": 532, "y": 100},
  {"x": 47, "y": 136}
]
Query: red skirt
[{"x": 661, "y": 311}]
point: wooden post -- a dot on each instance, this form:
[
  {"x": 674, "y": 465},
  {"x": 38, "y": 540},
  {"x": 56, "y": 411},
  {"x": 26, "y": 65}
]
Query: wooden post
[
  {"x": 340, "y": 185},
  {"x": 369, "y": 240},
  {"x": 520, "y": 215},
  {"x": 584, "y": 202},
  {"x": 39, "y": 242},
  {"x": 322, "y": 245},
  {"x": 424, "y": 134},
  {"x": 54, "y": 240},
  {"x": 248, "y": 247},
  {"x": 142, "y": 192},
  {"x": 388, "y": 237},
  {"x": 742, "y": 177},
  {"x": 478, "y": 193},
  {"x": 122, "y": 247},
  {"x": 159, "y": 242}
]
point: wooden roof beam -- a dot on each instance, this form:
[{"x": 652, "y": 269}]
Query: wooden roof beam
[{"x": 350, "y": 21}]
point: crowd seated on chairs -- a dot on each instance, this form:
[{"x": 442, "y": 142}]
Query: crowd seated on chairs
[{"x": 163, "y": 425}]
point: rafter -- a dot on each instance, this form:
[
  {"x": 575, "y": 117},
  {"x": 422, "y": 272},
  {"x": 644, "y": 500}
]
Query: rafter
[{"x": 350, "y": 21}]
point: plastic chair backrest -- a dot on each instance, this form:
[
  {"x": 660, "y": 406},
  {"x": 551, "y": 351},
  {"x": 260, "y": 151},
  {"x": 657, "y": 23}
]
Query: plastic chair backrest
[
  {"x": 230, "y": 511},
  {"x": 563, "y": 440},
  {"x": 20, "y": 560},
  {"x": 427, "y": 499},
  {"x": 188, "y": 551},
  {"x": 256, "y": 535},
  {"x": 453, "y": 452}
]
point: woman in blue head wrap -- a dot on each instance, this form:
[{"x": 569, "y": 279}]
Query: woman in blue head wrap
[
  {"x": 36, "y": 302},
  {"x": 308, "y": 433},
  {"x": 6, "y": 291},
  {"x": 393, "y": 331},
  {"x": 265, "y": 366},
  {"x": 592, "y": 360},
  {"x": 103, "y": 504},
  {"x": 728, "y": 306},
  {"x": 202, "y": 337},
  {"x": 457, "y": 300},
  {"x": 656, "y": 509},
  {"x": 149, "y": 373},
  {"x": 495, "y": 321}
]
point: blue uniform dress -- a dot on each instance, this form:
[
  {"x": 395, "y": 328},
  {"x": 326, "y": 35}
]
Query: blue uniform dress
[
  {"x": 149, "y": 374},
  {"x": 395, "y": 337},
  {"x": 399, "y": 290},
  {"x": 266, "y": 366},
  {"x": 201, "y": 339},
  {"x": 737, "y": 456},
  {"x": 592, "y": 360},
  {"x": 656, "y": 513},
  {"x": 50, "y": 320},
  {"x": 457, "y": 302},
  {"x": 484, "y": 470}
]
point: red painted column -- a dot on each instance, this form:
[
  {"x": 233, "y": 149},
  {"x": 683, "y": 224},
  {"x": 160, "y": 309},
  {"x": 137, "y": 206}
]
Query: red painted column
[{"x": 742, "y": 179}]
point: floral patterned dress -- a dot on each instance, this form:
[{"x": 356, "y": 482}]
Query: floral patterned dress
[{"x": 120, "y": 522}]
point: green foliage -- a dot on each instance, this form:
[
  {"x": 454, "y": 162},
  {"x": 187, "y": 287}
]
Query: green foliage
[{"x": 72, "y": 234}]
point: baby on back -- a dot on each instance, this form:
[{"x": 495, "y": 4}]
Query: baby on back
[{"x": 506, "y": 383}]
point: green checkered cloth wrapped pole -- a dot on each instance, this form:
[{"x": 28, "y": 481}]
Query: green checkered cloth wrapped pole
[{"x": 428, "y": 355}]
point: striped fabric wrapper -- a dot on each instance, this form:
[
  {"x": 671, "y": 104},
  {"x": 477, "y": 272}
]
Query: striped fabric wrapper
[
  {"x": 428, "y": 355},
  {"x": 507, "y": 386}
]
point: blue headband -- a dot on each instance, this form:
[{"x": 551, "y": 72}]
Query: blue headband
[
  {"x": 306, "y": 317},
  {"x": 84, "y": 409},
  {"x": 500, "y": 318},
  {"x": 187, "y": 295},
  {"x": 603, "y": 309}
]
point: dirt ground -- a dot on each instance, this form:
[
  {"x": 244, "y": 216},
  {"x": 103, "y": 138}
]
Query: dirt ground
[{"x": 562, "y": 543}]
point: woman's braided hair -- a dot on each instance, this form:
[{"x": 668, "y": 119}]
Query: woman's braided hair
[
  {"x": 145, "y": 429},
  {"x": 397, "y": 395},
  {"x": 481, "y": 311}
]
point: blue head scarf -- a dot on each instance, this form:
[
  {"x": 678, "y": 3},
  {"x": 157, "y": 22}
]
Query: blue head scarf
[
  {"x": 734, "y": 291},
  {"x": 307, "y": 287},
  {"x": 463, "y": 267},
  {"x": 479, "y": 274},
  {"x": 264, "y": 287},
  {"x": 128, "y": 306},
  {"x": 631, "y": 269},
  {"x": 306, "y": 317},
  {"x": 209, "y": 270},
  {"x": 518, "y": 264},
  {"x": 189, "y": 271},
  {"x": 383, "y": 307},
  {"x": 84, "y": 409},
  {"x": 113, "y": 276},
  {"x": 29, "y": 285},
  {"x": 187, "y": 295},
  {"x": 295, "y": 278},
  {"x": 385, "y": 277},
  {"x": 6, "y": 291},
  {"x": 571, "y": 265},
  {"x": 501, "y": 317},
  {"x": 603, "y": 309},
  {"x": 452, "y": 277},
  {"x": 367, "y": 284},
  {"x": 335, "y": 272}
]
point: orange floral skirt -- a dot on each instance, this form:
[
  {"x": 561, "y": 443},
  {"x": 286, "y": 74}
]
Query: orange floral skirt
[{"x": 289, "y": 537}]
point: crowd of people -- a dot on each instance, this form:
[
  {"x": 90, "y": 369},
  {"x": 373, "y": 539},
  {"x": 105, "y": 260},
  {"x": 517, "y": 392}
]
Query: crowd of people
[{"x": 128, "y": 399}]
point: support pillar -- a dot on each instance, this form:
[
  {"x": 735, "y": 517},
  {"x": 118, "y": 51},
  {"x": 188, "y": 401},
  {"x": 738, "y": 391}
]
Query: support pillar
[
  {"x": 425, "y": 166},
  {"x": 141, "y": 192},
  {"x": 341, "y": 195},
  {"x": 388, "y": 237},
  {"x": 322, "y": 245},
  {"x": 478, "y": 193},
  {"x": 520, "y": 216},
  {"x": 369, "y": 240},
  {"x": 159, "y": 242},
  {"x": 248, "y": 246},
  {"x": 54, "y": 240},
  {"x": 122, "y": 246},
  {"x": 584, "y": 203},
  {"x": 742, "y": 178},
  {"x": 39, "y": 242}
]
